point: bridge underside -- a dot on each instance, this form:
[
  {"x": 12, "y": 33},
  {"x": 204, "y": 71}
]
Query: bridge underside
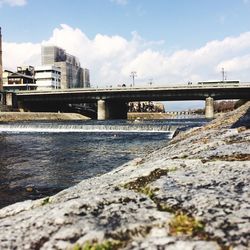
[
  {"x": 104, "y": 110},
  {"x": 89, "y": 110},
  {"x": 114, "y": 109}
]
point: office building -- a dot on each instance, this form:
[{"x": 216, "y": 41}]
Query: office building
[{"x": 72, "y": 75}]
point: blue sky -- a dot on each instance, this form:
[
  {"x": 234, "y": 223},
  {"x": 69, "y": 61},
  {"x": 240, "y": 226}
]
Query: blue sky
[
  {"x": 180, "y": 23},
  {"x": 169, "y": 41}
]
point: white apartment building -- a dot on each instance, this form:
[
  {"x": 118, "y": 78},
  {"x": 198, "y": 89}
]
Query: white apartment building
[{"x": 48, "y": 77}]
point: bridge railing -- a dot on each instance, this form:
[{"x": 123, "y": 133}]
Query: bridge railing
[{"x": 141, "y": 88}]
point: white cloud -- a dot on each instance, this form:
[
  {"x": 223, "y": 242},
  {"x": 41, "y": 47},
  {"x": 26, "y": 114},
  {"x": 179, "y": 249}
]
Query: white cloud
[
  {"x": 236, "y": 65},
  {"x": 112, "y": 58},
  {"x": 17, "y": 54},
  {"x": 13, "y": 2}
]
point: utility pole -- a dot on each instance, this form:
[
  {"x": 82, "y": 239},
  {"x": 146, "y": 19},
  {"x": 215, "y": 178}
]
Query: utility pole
[
  {"x": 223, "y": 74},
  {"x": 150, "y": 81},
  {"x": 1, "y": 63},
  {"x": 133, "y": 75}
]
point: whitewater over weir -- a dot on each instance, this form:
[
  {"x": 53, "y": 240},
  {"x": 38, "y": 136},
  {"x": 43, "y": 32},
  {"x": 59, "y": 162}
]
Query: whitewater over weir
[{"x": 50, "y": 128}]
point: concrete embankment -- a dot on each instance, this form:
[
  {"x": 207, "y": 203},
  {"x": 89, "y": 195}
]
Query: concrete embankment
[
  {"x": 33, "y": 116},
  {"x": 191, "y": 194},
  {"x": 148, "y": 115}
]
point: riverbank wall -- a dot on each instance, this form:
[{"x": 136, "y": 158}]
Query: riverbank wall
[
  {"x": 37, "y": 116},
  {"x": 147, "y": 115},
  {"x": 191, "y": 194}
]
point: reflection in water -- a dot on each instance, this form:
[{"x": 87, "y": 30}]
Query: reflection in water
[{"x": 33, "y": 165}]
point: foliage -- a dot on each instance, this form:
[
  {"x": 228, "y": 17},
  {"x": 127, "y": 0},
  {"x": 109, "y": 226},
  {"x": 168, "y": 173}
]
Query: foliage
[
  {"x": 141, "y": 182},
  {"x": 199, "y": 111},
  {"x": 45, "y": 201},
  {"x": 147, "y": 190},
  {"x": 224, "y": 106},
  {"x": 105, "y": 245},
  {"x": 166, "y": 208},
  {"x": 184, "y": 224}
]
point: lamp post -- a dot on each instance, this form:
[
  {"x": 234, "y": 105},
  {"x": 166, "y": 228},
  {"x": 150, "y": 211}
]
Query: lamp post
[{"x": 133, "y": 75}]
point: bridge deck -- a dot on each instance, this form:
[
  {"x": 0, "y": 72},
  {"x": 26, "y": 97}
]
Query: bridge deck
[
  {"x": 136, "y": 89},
  {"x": 170, "y": 93}
]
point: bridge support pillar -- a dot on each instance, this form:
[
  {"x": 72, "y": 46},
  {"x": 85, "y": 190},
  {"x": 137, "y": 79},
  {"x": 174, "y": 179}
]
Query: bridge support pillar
[
  {"x": 101, "y": 110},
  {"x": 1, "y": 98},
  {"x": 9, "y": 99},
  {"x": 209, "y": 108},
  {"x": 111, "y": 109}
]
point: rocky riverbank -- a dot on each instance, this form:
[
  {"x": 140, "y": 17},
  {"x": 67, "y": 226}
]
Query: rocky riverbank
[
  {"x": 191, "y": 194},
  {"x": 37, "y": 116}
]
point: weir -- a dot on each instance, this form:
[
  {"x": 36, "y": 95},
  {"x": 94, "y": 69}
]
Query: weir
[{"x": 48, "y": 128}]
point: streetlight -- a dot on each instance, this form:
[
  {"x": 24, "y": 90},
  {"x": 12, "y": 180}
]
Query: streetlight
[{"x": 133, "y": 75}]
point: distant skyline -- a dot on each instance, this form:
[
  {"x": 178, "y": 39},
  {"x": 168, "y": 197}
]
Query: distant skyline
[{"x": 163, "y": 41}]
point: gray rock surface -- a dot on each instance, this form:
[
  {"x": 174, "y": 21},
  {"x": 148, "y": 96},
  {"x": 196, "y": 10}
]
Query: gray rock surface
[{"x": 202, "y": 174}]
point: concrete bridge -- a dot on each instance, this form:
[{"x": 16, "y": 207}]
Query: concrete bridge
[{"x": 112, "y": 102}]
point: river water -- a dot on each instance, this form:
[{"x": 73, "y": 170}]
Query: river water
[{"x": 41, "y": 158}]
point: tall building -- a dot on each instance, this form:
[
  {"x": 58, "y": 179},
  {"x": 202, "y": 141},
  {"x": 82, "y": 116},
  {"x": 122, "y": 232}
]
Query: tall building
[
  {"x": 86, "y": 78},
  {"x": 1, "y": 62},
  {"x": 52, "y": 54},
  {"x": 72, "y": 75}
]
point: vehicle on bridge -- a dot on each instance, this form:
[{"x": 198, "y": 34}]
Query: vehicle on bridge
[{"x": 219, "y": 82}]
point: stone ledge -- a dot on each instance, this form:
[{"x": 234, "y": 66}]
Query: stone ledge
[{"x": 194, "y": 175}]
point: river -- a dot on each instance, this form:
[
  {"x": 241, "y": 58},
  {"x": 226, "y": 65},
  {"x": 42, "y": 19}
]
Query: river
[{"x": 41, "y": 158}]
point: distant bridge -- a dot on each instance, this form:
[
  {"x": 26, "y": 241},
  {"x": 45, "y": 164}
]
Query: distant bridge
[{"x": 111, "y": 102}]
